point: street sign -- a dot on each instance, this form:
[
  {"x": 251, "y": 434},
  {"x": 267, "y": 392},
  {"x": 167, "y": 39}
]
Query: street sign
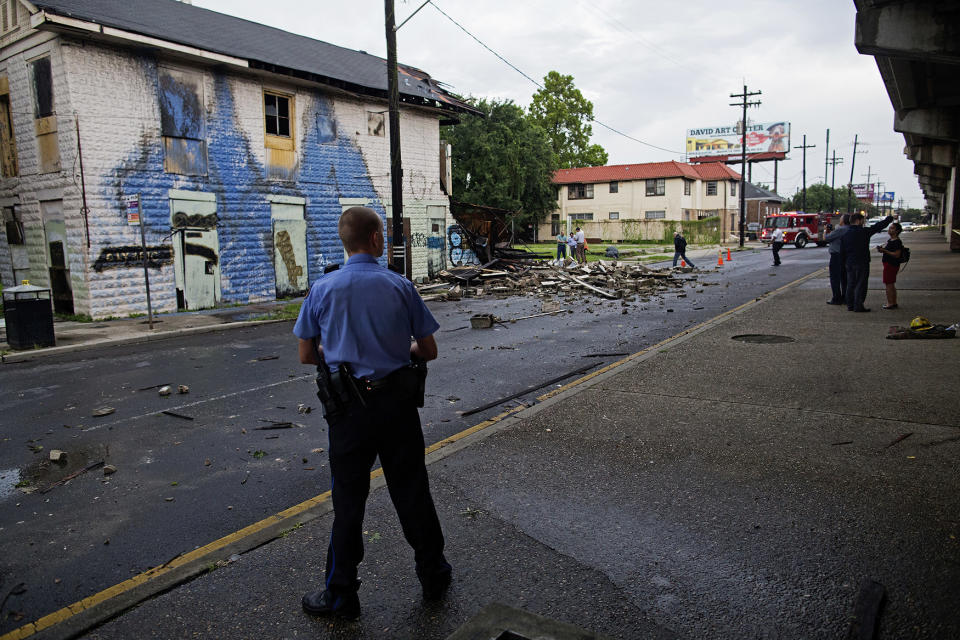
[{"x": 133, "y": 210}]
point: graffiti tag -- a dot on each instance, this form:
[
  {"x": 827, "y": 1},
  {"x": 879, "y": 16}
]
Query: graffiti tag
[
  {"x": 196, "y": 221},
  {"x": 132, "y": 256}
]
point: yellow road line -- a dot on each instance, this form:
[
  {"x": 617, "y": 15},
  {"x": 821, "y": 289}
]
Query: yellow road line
[{"x": 71, "y": 610}]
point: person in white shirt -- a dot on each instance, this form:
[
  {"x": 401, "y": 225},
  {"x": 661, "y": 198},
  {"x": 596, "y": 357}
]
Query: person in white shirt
[{"x": 581, "y": 245}]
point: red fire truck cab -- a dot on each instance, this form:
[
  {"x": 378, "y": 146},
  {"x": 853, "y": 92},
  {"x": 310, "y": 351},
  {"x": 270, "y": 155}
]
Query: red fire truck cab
[{"x": 798, "y": 227}]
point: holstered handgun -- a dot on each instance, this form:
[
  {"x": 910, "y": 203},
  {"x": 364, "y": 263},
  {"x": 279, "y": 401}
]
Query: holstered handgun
[
  {"x": 419, "y": 367},
  {"x": 336, "y": 390}
]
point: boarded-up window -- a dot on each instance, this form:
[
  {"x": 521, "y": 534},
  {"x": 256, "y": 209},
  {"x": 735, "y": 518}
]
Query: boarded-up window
[
  {"x": 8, "y": 145},
  {"x": 279, "y": 118},
  {"x": 182, "y": 122},
  {"x": 45, "y": 122},
  {"x": 375, "y": 123},
  {"x": 42, "y": 88}
]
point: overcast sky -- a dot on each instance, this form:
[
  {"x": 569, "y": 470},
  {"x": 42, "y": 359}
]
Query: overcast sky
[{"x": 651, "y": 69}]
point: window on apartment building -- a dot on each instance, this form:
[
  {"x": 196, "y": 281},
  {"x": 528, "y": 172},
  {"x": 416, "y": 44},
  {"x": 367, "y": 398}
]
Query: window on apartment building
[
  {"x": 654, "y": 215},
  {"x": 376, "y": 125},
  {"x": 42, "y": 87},
  {"x": 614, "y": 187},
  {"x": 581, "y": 216},
  {"x": 9, "y": 15},
  {"x": 276, "y": 114},
  {"x": 579, "y": 191},
  {"x": 656, "y": 187},
  {"x": 733, "y": 188},
  {"x": 712, "y": 188},
  {"x": 614, "y": 215},
  {"x": 686, "y": 187}
]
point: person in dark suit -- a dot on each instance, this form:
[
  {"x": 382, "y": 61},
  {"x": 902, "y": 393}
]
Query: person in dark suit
[
  {"x": 838, "y": 273},
  {"x": 855, "y": 246}
]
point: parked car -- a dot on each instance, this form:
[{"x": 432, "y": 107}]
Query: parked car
[{"x": 908, "y": 226}]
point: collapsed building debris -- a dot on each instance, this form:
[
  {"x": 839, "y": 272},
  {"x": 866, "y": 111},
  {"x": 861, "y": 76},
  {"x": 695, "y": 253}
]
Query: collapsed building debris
[{"x": 548, "y": 279}]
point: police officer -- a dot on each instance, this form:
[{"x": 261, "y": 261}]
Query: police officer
[{"x": 356, "y": 324}]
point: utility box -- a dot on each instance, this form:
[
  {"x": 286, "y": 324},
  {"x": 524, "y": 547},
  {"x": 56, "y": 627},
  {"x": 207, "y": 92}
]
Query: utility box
[{"x": 28, "y": 314}]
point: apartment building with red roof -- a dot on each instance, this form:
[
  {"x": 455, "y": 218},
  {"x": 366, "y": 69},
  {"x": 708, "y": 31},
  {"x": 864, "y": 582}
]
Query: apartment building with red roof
[{"x": 614, "y": 202}]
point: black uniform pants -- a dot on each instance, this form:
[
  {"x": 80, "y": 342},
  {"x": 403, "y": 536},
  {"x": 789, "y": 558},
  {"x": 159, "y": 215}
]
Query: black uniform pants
[
  {"x": 776, "y": 246},
  {"x": 838, "y": 278},
  {"x": 389, "y": 426},
  {"x": 857, "y": 274}
]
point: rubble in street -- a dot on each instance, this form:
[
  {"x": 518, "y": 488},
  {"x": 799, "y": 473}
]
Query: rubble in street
[{"x": 606, "y": 280}]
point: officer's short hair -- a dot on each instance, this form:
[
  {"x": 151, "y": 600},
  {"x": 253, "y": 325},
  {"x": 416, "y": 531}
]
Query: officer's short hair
[
  {"x": 855, "y": 218},
  {"x": 356, "y": 226}
]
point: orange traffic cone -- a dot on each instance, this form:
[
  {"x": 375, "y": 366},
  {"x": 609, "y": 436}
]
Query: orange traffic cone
[
  {"x": 728, "y": 255},
  {"x": 683, "y": 263},
  {"x": 719, "y": 258}
]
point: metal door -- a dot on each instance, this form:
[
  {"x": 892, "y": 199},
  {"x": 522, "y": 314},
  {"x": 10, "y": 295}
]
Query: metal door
[
  {"x": 290, "y": 256},
  {"x": 196, "y": 252},
  {"x": 58, "y": 263},
  {"x": 436, "y": 247}
]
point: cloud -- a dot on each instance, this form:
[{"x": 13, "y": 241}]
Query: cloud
[{"x": 651, "y": 69}]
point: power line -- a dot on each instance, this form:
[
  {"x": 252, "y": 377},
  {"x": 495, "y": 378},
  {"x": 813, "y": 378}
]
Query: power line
[{"x": 512, "y": 66}]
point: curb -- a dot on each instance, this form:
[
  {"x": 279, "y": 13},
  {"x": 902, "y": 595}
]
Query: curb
[{"x": 24, "y": 356}]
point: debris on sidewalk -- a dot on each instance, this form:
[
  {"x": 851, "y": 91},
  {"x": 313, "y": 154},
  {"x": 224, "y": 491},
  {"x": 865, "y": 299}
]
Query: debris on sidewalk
[
  {"x": 102, "y": 411},
  {"x": 182, "y": 388},
  {"x": 56, "y": 455},
  {"x": 164, "y": 390},
  {"x": 109, "y": 469}
]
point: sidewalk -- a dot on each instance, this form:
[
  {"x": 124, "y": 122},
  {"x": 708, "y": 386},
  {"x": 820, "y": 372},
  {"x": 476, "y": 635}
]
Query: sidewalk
[
  {"x": 77, "y": 336},
  {"x": 707, "y": 487}
]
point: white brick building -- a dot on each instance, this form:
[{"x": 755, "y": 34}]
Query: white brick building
[{"x": 243, "y": 143}]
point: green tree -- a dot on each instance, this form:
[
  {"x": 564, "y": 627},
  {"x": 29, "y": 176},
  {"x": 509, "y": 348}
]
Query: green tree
[
  {"x": 818, "y": 199},
  {"x": 565, "y": 115},
  {"x": 503, "y": 160}
]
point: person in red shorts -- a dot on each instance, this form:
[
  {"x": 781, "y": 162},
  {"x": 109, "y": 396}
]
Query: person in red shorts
[{"x": 891, "y": 263}]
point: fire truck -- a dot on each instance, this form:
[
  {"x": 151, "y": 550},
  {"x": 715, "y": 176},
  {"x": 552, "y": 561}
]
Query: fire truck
[{"x": 798, "y": 227}]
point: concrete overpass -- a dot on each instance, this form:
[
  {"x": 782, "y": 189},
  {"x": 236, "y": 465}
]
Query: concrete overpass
[{"x": 916, "y": 44}]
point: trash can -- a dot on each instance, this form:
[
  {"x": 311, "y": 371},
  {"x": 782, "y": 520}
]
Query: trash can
[{"x": 28, "y": 314}]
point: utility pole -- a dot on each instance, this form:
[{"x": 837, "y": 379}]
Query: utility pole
[
  {"x": 877, "y": 197},
  {"x": 867, "y": 174},
  {"x": 833, "y": 182},
  {"x": 850, "y": 184},
  {"x": 743, "y": 151},
  {"x": 397, "y": 248},
  {"x": 826, "y": 161},
  {"x": 775, "y": 163},
  {"x": 805, "y": 147}
]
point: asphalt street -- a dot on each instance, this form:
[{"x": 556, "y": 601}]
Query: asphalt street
[{"x": 224, "y": 456}]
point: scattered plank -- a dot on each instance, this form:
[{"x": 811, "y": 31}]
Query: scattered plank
[
  {"x": 527, "y": 390},
  {"x": 73, "y": 475},
  {"x": 176, "y": 415}
]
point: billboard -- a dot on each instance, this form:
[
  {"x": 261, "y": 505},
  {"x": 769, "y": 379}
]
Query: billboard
[
  {"x": 768, "y": 137},
  {"x": 864, "y": 192},
  {"x": 886, "y": 196}
]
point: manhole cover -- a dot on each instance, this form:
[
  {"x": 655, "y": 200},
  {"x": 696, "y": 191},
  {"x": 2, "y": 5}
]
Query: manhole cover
[{"x": 763, "y": 338}]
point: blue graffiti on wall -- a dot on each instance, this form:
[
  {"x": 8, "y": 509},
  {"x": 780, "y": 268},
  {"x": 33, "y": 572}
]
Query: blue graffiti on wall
[
  {"x": 460, "y": 251},
  {"x": 330, "y": 168}
]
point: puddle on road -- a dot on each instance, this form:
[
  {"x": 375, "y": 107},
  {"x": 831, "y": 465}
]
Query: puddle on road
[
  {"x": 44, "y": 473},
  {"x": 8, "y": 482}
]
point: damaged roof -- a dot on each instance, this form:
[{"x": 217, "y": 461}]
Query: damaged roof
[
  {"x": 646, "y": 171},
  {"x": 263, "y": 47}
]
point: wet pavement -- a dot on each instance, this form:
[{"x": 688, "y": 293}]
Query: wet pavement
[{"x": 706, "y": 487}]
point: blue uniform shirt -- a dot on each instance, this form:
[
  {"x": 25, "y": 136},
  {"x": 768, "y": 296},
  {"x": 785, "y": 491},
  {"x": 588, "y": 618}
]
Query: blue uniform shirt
[{"x": 365, "y": 315}]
